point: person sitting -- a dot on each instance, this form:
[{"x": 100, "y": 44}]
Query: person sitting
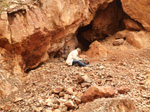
[{"x": 73, "y": 58}]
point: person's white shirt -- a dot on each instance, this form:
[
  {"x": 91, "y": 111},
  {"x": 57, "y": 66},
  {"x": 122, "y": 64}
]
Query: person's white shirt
[{"x": 73, "y": 55}]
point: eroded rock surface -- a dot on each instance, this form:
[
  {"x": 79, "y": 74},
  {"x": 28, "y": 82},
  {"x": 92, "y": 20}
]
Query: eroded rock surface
[
  {"x": 138, "y": 11},
  {"x": 138, "y": 39},
  {"x": 32, "y": 30},
  {"x": 97, "y": 92},
  {"x": 109, "y": 105},
  {"x": 105, "y": 23},
  {"x": 35, "y": 29}
]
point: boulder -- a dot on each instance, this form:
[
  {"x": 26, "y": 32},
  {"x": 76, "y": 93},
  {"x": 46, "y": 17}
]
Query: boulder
[
  {"x": 90, "y": 94},
  {"x": 97, "y": 50},
  {"x": 97, "y": 92},
  {"x": 107, "y": 91},
  {"x": 138, "y": 39},
  {"x": 138, "y": 11},
  {"x": 121, "y": 34},
  {"x": 134, "y": 40},
  {"x": 109, "y": 105},
  {"x": 118, "y": 42},
  {"x": 132, "y": 25},
  {"x": 123, "y": 89}
]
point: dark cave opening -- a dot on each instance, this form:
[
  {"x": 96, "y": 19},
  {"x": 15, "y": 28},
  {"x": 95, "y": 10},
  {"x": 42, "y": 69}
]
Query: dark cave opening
[
  {"x": 82, "y": 42},
  {"x": 118, "y": 2},
  {"x": 28, "y": 70},
  {"x": 106, "y": 23}
]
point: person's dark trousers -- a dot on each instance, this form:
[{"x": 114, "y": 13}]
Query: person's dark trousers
[{"x": 78, "y": 62}]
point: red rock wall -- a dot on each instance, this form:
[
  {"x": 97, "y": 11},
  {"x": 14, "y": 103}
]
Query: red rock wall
[
  {"x": 31, "y": 30},
  {"x": 138, "y": 10}
]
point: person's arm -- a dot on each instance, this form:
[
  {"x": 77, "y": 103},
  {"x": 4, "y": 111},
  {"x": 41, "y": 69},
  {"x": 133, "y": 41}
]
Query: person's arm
[
  {"x": 78, "y": 58},
  {"x": 75, "y": 57}
]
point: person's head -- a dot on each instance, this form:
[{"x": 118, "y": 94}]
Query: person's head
[{"x": 79, "y": 50}]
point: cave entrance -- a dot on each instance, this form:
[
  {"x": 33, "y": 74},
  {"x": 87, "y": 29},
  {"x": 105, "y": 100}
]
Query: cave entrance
[
  {"x": 82, "y": 42},
  {"x": 106, "y": 23}
]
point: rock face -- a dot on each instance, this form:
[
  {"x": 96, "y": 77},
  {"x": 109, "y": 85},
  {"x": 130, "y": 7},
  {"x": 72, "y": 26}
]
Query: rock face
[
  {"x": 138, "y": 39},
  {"x": 138, "y": 11},
  {"x": 97, "y": 92},
  {"x": 132, "y": 25},
  {"x": 9, "y": 75},
  {"x": 109, "y": 105},
  {"x": 32, "y": 30},
  {"x": 106, "y": 22}
]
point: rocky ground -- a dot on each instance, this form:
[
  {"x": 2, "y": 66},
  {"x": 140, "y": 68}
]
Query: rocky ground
[
  {"x": 119, "y": 65},
  {"x": 56, "y": 87}
]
